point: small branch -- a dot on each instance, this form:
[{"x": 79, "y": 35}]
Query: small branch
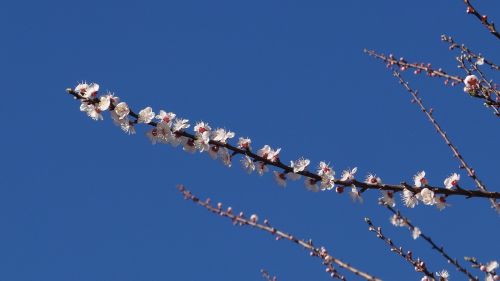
[
  {"x": 464, "y": 49},
  {"x": 429, "y": 240},
  {"x": 314, "y": 177},
  {"x": 482, "y": 18},
  {"x": 417, "y": 264},
  {"x": 470, "y": 171},
  {"x": 319, "y": 252}
]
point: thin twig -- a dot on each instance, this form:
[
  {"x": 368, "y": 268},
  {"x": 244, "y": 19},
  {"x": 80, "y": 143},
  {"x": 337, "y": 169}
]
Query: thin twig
[
  {"x": 267, "y": 276},
  {"x": 482, "y": 18},
  {"x": 464, "y": 49},
  {"x": 321, "y": 252},
  {"x": 418, "y": 264},
  {"x": 429, "y": 240}
]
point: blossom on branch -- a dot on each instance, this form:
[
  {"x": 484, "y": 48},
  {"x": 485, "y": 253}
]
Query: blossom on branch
[{"x": 451, "y": 181}]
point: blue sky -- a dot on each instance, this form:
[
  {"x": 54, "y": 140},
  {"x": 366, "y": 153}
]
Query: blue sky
[{"x": 80, "y": 200}]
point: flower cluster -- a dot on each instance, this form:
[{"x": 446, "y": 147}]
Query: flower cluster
[
  {"x": 471, "y": 84},
  {"x": 170, "y": 129}
]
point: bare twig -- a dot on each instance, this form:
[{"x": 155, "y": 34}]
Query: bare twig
[
  {"x": 320, "y": 252},
  {"x": 267, "y": 276},
  {"x": 429, "y": 240},
  {"x": 464, "y": 49},
  {"x": 483, "y": 18},
  {"x": 314, "y": 177},
  {"x": 418, "y": 264}
]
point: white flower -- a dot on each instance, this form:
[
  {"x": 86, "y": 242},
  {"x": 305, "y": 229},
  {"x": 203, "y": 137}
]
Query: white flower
[
  {"x": 426, "y": 196},
  {"x": 104, "y": 102},
  {"x": 165, "y": 117},
  {"x": 202, "y": 143},
  {"x": 311, "y": 184},
  {"x": 213, "y": 151},
  {"x": 348, "y": 175},
  {"x": 327, "y": 182},
  {"x": 91, "y": 111},
  {"x": 127, "y": 126},
  {"x": 221, "y": 135},
  {"x": 388, "y": 198},
  {"x": 397, "y": 221},
  {"x": 177, "y": 139},
  {"x": 86, "y": 90},
  {"x": 471, "y": 83},
  {"x": 355, "y": 195},
  {"x": 269, "y": 154},
  {"x": 441, "y": 203},
  {"x": 244, "y": 143},
  {"x": 409, "y": 199},
  {"x": 420, "y": 180},
  {"x": 451, "y": 181},
  {"x": 443, "y": 275},
  {"x": 261, "y": 168},
  {"x": 427, "y": 278},
  {"x": 164, "y": 133},
  {"x": 225, "y": 157},
  {"x": 180, "y": 125},
  {"x": 324, "y": 169},
  {"x": 146, "y": 115},
  {"x": 248, "y": 164},
  {"x": 416, "y": 233},
  {"x": 189, "y": 145},
  {"x": 153, "y": 135},
  {"x": 480, "y": 61},
  {"x": 280, "y": 178},
  {"x": 201, "y": 128},
  {"x": 122, "y": 110},
  {"x": 373, "y": 180},
  {"x": 491, "y": 266},
  {"x": 299, "y": 165}
]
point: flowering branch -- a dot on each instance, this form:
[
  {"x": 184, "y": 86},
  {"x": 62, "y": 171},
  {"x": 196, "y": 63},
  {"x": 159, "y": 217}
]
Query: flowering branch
[
  {"x": 399, "y": 220},
  {"x": 479, "y": 58},
  {"x": 483, "y": 18},
  {"x": 170, "y": 130},
  {"x": 489, "y": 269},
  {"x": 240, "y": 220},
  {"x": 429, "y": 113},
  {"x": 418, "y": 264},
  {"x": 472, "y": 85},
  {"x": 267, "y": 276}
]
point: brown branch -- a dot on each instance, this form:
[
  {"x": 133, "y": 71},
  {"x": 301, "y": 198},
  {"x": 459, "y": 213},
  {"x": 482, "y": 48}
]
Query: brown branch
[
  {"x": 320, "y": 252},
  {"x": 429, "y": 240},
  {"x": 419, "y": 67},
  {"x": 464, "y": 49},
  {"x": 429, "y": 113},
  {"x": 482, "y": 18},
  {"x": 418, "y": 264},
  {"x": 315, "y": 177}
]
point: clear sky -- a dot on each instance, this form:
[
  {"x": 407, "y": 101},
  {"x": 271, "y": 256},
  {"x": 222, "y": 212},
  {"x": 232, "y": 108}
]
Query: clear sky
[{"x": 80, "y": 200}]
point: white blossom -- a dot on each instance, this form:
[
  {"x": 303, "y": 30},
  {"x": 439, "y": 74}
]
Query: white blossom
[
  {"x": 213, "y": 151},
  {"x": 348, "y": 175},
  {"x": 397, "y": 221},
  {"x": 165, "y": 117},
  {"x": 225, "y": 157},
  {"x": 244, "y": 143},
  {"x": 416, "y": 233},
  {"x": 426, "y": 196},
  {"x": 91, "y": 111},
  {"x": 104, "y": 102},
  {"x": 189, "y": 145},
  {"x": 471, "y": 83},
  {"x": 420, "y": 180},
  {"x": 280, "y": 178},
  {"x": 387, "y": 198},
  {"x": 180, "y": 125},
  {"x": 261, "y": 168},
  {"x": 311, "y": 184},
  {"x": 409, "y": 199},
  {"x": 480, "y": 61},
  {"x": 122, "y": 110},
  {"x": 146, "y": 115},
  {"x": 299, "y": 165},
  {"x": 355, "y": 195},
  {"x": 443, "y": 275},
  {"x": 127, "y": 126},
  {"x": 327, "y": 182},
  {"x": 373, "y": 180},
  {"x": 451, "y": 181},
  {"x": 440, "y": 203},
  {"x": 324, "y": 169},
  {"x": 491, "y": 266},
  {"x": 248, "y": 164},
  {"x": 221, "y": 135},
  {"x": 427, "y": 278},
  {"x": 85, "y": 90},
  {"x": 269, "y": 154},
  {"x": 202, "y": 131}
]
